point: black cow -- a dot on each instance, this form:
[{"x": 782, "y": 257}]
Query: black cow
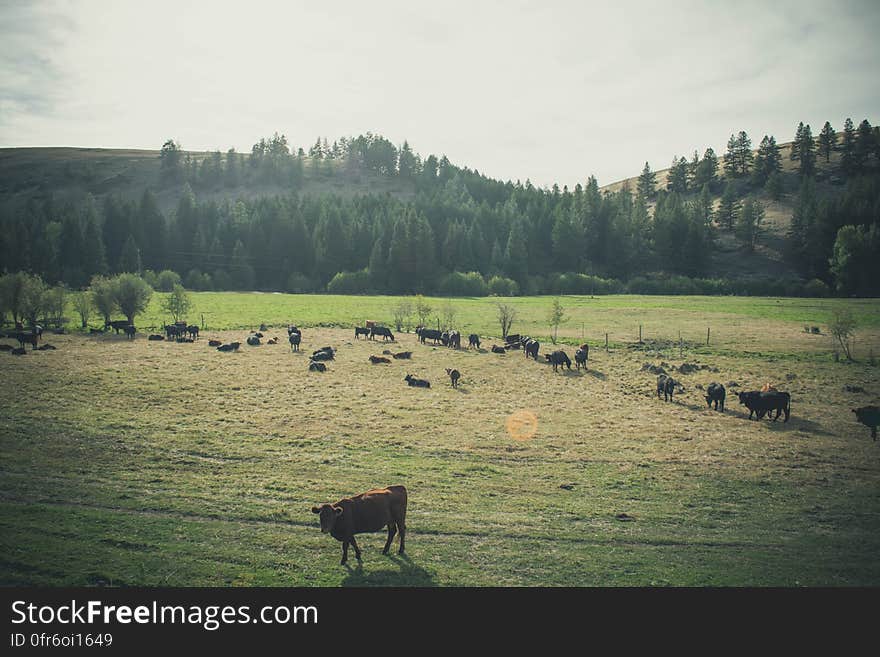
[
  {"x": 403, "y": 355},
  {"x": 454, "y": 340},
  {"x": 24, "y": 337},
  {"x": 428, "y": 334},
  {"x": 454, "y": 375},
  {"x": 47, "y": 347},
  {"x": 171, "y": 331},
  {"x": 232, "y": 346},
  {"x": 667, "y": 385},
  {"x": 558, "y": 358},
  {"x": 717, "y": 394},
  {"x": 130, "y": 330},
  {"x": 375, "y": 360},
  {"x": 361, "y": 330},
  {"x": 317, "y": 367},
  {"x": 367, "y": 512},
  {"x": 580, "y": 358},
  {"x": 6, "y": 347},
  {"x": 117, "y": 325},
  {"x": 532, "y": 349},
  {"x": 253, "y": 340},
  {"x": 474, "y": 341},
  {"x": 291, "y": 329},
  {"x": 514, "y": 341},
  {"x": 498, "y": 350},
  {"x": 18, "y": 351},
  {"x": 384, "y": 331},
  {"x": 416, "y": 383},
  {"x": 294, "y": 339},
  {"x": 94, "y": 331},
  {"x": 155, "y": 337},
  {"x": 193, "y": 331},
  {"x": 214, "y": 343},
  {"x": 322, "y": 355},
  {"x": 870, "y": 417},
  {"x": 761, "y": 403}
]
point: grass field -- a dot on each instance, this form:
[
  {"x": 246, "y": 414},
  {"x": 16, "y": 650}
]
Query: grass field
[{"x": 137, "y": 463}]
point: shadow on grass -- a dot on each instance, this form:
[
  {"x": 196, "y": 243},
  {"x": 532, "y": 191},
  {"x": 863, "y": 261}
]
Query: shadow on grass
[
  {"x": 596, "y": 374},
  {"x": 403, "y": 573}
]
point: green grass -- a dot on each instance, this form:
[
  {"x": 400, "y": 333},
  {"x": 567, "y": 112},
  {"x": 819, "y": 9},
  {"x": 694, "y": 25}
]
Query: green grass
[{"x": 137, "y": 463}]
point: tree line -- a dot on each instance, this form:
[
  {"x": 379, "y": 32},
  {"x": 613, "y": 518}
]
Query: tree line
[{"x": 461, "y": 232}]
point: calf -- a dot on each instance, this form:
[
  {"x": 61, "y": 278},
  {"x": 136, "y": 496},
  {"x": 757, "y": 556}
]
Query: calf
[
  {"x": 272, "y": 341},
  {"x": 455, "y": 340},
  {"x": 253, "y": 340},
  {"x": 367, "y": 512},
  {"x": 403, "y": 355},
  {"x": 498, "y": 350},
  {"x": 359, "y": 331},
  {"x": 375, "y": 360},
  {"x": 761, "y": 403},
  {"x": 580, "y": 357},
  {"x": 454, "y": 375},
  {"x": 317, "y": 367},
  {"x": 416, "y": 383},
  {"x": 558, "y": 358},
  {"x": 474, "y": 341},
  {"x": 667, "y": 385},
  {"x": 716, "y": 393},
  {"x": 870, "y": 417}
]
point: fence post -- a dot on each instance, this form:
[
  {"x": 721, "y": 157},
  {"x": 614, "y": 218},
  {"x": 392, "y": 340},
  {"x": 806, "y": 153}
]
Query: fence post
[
  {"x": 204, "y": 326},
  {"x": 680, "y": 349},
  {"x": 606, "y": 343},
  {"x": 707, "y": 336},
  {"x": 640, "y": 334}
]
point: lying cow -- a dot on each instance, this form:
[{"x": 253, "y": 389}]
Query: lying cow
[
  {"x": 232, "y": 346},
  {"x": 416, "y": 383},
  {"x": 558, "y": 358},
  {"x": 403, "y": 355},
  {"x": 761, "y": 403},
  {"x": 325, "y": 353},
  {"x": 667, "y": 385},
  {"x": 870, "y": 417},
  {"x": 375, "y": 360},
  {"x": 498, "y": 350},
  {"x": 155, "y": 337},
  {"x": 367, "y": 512},
  {"x": 317, "y": 367},
  {"x": 716, "y": 394},
  {"x": 253, "y": 340}
]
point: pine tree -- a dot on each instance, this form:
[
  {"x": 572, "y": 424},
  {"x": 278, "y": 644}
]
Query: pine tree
[
  {"x": 767, "y": 162},
  {"x": 130, "y": 258},
  {"x": 728, "y": 208},
  {"x": 864, "y": 145},
  {"x": 806, "y": 151},
  {"x": 848, "y": 149},
  {"x": 706, "y": 172},
  {"x": 795, "y": 153},
  {"x": 744, "y": 155},
  {"x": 827, "y": 141},
  {"x": 677, "y": 179},
  {"x": 748, "y": 225},
  {"x": 647, "y": 184},
  {"x": 242, "y": 272}
]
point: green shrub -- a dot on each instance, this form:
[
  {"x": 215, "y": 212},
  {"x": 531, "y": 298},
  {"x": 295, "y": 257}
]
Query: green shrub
[
  {"x": 458, "y": 284},
  {"x": 350, "y": 282},
  {"x": 503, "y": 287},
  {"x": 167, "y": 279}
]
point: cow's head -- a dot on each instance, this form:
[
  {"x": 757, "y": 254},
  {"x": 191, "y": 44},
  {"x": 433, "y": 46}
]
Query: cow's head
[{"x": 328, "y": 515}]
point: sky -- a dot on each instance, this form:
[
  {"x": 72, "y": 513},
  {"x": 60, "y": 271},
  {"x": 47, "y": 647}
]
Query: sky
[{"x": 548, "y": 91}]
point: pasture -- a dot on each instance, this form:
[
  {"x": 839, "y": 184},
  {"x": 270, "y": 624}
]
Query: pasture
[{"x": 138, "y": 463}]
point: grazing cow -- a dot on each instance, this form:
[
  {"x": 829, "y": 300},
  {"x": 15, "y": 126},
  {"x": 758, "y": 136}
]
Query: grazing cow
[
  {"x": 117, "y": 325},
  {"x": 580, "y": 358},
  {"x": 193, "y": 331},
  {"x": 18, "y": 351},
  {"x": 214, "y": 343},
  {"x": 454, "y": 375},
  {"x": 232, "y": 346},
  {"x": 130, "y": 330},
  {"x": 361, "y": 330},
  {"x": 428, "y": 334},
  {"x": 716, "y": 393},
  {"x": 171, "y": 331},
  {"x": 761, "y": 403},
  {"x": 498, "y": 350},
  {"x": 416, "y": 383},
  {"x": 375, "y": 360},
  {"x": 253, "y": 340},
  {"x": 367, "y": 512},
  {"x": 558, "y": 358},
  {"x": 294, "y": 339},
  {"x": 317, "y": 367},
  {"x": 155, "y": 337},
  {"x": 474, "y": 341},
  {"x": 454, "y": 340},
  {"x": 532, "y": 349},
  {"x": 870, "y": 417},
  {"x": 667, "y": 385},
  {"x": 403, "y": 355},
  {"x": 47, "y": 347},
  {"x": 384, "y": 331}
]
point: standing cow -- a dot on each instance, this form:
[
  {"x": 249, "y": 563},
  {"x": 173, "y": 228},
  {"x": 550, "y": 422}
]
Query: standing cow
[{"x": 367, "y": 512}]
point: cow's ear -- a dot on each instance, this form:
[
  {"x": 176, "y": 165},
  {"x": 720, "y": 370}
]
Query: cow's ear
[
  {"x": 338, "y": 510},
  {"x": 316, "y": 509}
]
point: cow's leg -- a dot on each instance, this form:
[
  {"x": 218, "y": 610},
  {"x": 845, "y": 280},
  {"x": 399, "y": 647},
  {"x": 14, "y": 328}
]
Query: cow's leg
[
  {"x": 401, "y": 527},
  {"x": 357, "y": 550},
  {"x": 392, "y": 530},
  {"x": 344, "y": 553}
]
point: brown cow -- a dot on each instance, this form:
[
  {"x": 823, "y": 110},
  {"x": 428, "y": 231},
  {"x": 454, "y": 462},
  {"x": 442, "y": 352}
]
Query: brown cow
[{"x": 367, "y": 512}]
